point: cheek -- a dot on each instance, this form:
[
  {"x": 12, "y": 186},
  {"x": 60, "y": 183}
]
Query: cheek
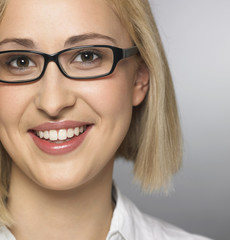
[
  {"x": 13, "y": 102},
  {"x": 110, "y": 97},
  {"x": 8, "y": 106},
  {"x": 116, "y": 99},
  {"x": 111, "y": 100},
  {"x": 114, "y": 95}
]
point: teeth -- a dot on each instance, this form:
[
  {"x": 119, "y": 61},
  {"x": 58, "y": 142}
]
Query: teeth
[
  {"x": 62, "y": 134},
  {"x": 46, "y": 135},
  {"x": 76, "y": 131},
  {"x": 53, "y": 135},
  {"x": 41, "y": 134},
  {"x": 70, "y": 133}
]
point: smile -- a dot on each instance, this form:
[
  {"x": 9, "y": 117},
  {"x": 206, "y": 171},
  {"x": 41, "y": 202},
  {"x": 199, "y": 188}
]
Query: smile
[
  {"x": 59, "y": 137},
  {"x": 61, "y": 134}
]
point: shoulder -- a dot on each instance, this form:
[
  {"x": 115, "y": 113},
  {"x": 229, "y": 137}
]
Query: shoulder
[
  {"x": 154, "y": 228},
  {"x": 147, "y": 227}
]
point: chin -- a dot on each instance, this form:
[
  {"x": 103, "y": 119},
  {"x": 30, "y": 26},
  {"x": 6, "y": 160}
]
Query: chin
[{"x": 62, "y": 182}]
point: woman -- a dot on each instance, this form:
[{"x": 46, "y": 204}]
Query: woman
[{"x": 81, "y": 83}]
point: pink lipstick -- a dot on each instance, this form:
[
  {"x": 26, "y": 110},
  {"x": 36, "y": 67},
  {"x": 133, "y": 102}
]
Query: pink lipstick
[{"x": 58, "y": 138}]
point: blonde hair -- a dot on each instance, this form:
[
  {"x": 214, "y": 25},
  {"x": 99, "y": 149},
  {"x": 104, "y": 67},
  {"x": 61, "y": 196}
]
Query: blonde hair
[
  {"x": 153, "y": 141},
  {"x": 2, "y": 8},
  {"x": 5, "y": 164}
]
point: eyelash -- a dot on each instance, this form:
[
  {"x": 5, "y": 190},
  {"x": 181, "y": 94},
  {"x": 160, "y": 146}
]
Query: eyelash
[
  {"x": 15, "y": 58},
  {"x": 98, "y": 54}
]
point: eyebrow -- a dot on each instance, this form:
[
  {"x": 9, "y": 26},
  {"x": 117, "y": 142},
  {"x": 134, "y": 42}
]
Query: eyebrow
[
  {"x": 21, "y": 41},
  {"x": 28, "y": 43},
  {"x": 79, "y": 38}
]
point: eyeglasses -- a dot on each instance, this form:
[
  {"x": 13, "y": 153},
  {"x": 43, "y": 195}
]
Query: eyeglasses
[{"x": 84, "y": 62}]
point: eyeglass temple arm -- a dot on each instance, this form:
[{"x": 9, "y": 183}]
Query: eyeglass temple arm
[{"x": 130, "y": 52}]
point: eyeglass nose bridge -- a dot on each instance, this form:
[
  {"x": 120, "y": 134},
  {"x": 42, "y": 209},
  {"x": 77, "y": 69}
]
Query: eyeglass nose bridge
[{"x": 52, "y": 58}]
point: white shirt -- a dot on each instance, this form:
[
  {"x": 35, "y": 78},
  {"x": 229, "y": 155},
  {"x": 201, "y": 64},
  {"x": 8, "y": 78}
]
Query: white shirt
[{"x": 128, "y": 223}]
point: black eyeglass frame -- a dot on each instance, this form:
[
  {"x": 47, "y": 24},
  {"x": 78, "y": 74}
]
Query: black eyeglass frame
[{"x": 118, "y": 54}]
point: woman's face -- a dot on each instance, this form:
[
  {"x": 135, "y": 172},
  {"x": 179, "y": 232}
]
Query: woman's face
[{"x": 57, "y": 103}]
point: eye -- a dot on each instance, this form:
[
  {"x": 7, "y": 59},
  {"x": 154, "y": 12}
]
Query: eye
[
  {"x": 21, "y": 62},
  {"x": 87, "y": 56}
]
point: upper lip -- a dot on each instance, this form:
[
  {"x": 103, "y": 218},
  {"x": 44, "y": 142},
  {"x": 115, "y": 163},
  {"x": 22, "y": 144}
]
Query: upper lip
[{"x": 59, "y": 125}]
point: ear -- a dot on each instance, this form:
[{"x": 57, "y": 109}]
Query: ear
[{"x": 141, "y": 84}]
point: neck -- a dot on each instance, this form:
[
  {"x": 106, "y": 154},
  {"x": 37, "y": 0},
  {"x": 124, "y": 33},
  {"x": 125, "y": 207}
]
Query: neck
[{"x": 74, "y": 214}]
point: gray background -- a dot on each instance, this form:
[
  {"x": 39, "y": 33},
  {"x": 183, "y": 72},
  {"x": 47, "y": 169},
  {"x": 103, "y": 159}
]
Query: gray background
[{"x": 196, "y": 36}]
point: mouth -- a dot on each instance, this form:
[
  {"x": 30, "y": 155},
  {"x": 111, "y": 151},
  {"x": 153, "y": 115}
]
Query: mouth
[
  {"x": 61, "y": 135},
  {"x": 59, "y": 138}
]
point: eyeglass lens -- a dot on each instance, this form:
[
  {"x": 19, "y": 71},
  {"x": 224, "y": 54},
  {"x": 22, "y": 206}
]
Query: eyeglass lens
[{"x": 76, "y": 63}]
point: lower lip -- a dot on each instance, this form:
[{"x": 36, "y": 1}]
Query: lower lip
[{"x": 59, "y": 148}]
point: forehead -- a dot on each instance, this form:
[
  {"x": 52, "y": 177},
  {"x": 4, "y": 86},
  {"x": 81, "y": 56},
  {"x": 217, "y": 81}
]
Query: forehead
[{"x": 56, "y": 20}]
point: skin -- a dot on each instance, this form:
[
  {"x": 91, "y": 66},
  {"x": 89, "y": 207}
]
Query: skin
[{"x": 67, "y": 195}]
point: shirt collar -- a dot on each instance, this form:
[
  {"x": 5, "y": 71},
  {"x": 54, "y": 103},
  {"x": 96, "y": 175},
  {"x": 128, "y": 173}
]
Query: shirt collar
[
  {"x": 122, "y": 222},
  {"x": 5, "y": 233}
]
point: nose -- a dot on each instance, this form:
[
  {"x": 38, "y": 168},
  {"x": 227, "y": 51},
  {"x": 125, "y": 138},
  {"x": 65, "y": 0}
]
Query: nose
[{"x": 55, "y": 93}]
